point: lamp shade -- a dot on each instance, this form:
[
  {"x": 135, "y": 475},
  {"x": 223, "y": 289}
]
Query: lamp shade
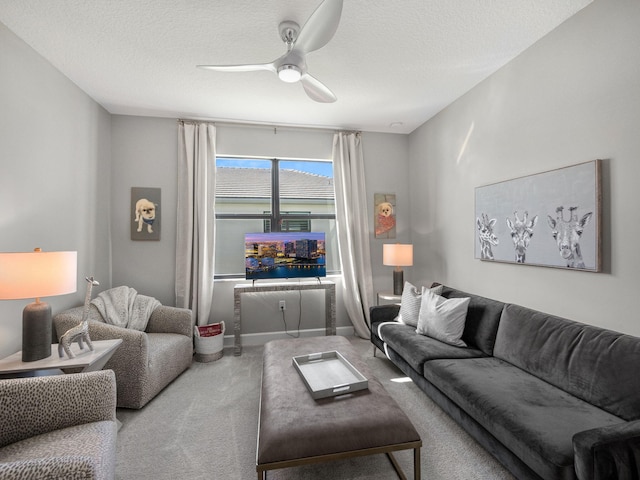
[
  {"x": 37, "y": 274},
  {"x": 397, "y": 254},
  {"x": 33, "y": 275}
]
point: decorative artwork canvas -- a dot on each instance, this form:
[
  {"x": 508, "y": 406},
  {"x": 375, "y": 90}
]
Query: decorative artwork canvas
[
  {"x": 145, "y": 213},
  {"x": 385, "y": 215},
  {"x": 549, "y": 219}
]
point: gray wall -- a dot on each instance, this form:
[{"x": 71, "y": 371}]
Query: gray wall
[
  {"x": 570, "y": 98},
  {"x": 68, "y": 167},
  {"x": 54, "y": 177},
  {"x": 144, "y": 154}
]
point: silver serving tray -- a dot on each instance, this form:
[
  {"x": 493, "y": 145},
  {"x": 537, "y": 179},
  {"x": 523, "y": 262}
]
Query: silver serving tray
[{"x": 329, "y": 374}]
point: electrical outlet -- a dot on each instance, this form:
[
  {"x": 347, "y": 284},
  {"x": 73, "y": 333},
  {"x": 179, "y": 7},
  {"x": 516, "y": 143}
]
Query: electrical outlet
[{"x": 282, "y": 305}]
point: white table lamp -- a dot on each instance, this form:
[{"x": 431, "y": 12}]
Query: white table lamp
[
  {"x": 33, "y": 275},
  {"x": 397, "y": 255}
]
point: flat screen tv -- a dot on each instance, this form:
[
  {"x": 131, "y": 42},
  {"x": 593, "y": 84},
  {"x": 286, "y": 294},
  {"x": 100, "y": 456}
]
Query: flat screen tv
[{"x": 281, "y": 255}]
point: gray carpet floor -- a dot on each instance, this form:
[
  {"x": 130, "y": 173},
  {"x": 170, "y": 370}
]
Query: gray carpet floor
[{"x": 204, "y": 426}]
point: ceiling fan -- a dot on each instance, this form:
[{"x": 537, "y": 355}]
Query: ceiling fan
[{"x": 292, "y": 66}]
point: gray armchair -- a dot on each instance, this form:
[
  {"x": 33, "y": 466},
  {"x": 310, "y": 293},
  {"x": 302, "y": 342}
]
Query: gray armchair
[
  {"x": 145, "y": 362},
  {"x": 61, "y": 426}
]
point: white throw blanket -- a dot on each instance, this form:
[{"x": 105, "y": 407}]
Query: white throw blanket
[{"x": 124, "y": 307}]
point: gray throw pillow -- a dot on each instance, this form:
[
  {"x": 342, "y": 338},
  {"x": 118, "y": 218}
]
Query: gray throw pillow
[
  {"x": 410, "y": 303},
  {"x": 443, "y": 318}
]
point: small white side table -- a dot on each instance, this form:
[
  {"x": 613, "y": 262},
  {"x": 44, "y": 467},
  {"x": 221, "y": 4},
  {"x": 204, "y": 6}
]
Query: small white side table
[
  {"x": 84, "y": 361},
  {"x": 388, "y": 296}
]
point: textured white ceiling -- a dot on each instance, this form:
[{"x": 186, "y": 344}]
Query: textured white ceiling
[{"x": 389, "y": 61}]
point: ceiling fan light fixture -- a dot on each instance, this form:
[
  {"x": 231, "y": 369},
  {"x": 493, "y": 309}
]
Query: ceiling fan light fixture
[
  {"x": 289, "y": 73},
  {"x": 291, "y": 67}
]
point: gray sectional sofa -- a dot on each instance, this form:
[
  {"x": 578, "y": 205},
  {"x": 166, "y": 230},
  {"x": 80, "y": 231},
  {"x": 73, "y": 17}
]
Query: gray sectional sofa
[{"x": 550, "y": 398}]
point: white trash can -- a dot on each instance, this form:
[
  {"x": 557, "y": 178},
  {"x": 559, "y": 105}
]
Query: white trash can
[{"x": 209, "y": 344}]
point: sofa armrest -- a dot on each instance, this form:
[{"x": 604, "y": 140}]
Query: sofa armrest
[
  {"x": 135, "y": 344},
  {"x": 383, "y": 313},
  {"x": 608, "y": 452},
  {"x": 77, "y": 466},
  {"x": 167, "y": 319},
  {"x": 102, "y": 331},
  {"x": 37, "y": 405}
]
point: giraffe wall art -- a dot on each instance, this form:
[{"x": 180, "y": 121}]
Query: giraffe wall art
[
  {"x": 521, "y": 233},
  {"x": 568, "y": 198},
  {"x": 486, "y": 236},
  {"x": 567, "y": 233}
]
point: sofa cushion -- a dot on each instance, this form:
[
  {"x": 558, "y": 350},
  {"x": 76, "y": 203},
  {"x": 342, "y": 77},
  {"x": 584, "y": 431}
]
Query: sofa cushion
[
  {"x": 416, "y": 349},
  {"x": 483, "y": 317},
  {"x": 443, "y": 318},
  {"x": 599, "y": 366},
  {"x": 533, "y": 418}
]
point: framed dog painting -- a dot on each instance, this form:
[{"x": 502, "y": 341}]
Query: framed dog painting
[
  {"x": 385, "y": 215},
  {"x": 145, "y": 213}
]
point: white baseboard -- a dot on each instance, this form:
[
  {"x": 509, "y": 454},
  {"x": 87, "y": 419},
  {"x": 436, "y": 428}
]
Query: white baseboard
[{"x": 251, "y": 339}]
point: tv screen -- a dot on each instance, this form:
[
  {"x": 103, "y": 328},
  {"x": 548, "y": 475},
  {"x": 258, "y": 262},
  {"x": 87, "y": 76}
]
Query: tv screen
[{"x": 280, "y": 255}]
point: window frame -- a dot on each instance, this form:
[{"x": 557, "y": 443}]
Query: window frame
[{"x": 276, "y": 217}]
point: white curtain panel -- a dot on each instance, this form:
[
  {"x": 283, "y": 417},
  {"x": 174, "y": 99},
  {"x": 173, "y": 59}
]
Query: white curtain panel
[
  {"x": 353, "y": 229},
  {"x": 196, "y": 221}
]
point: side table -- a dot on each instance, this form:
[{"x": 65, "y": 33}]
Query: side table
[
  {"x": 84, "y": 361},
  {"x": 388, "y": 296},
  {"x": 329, "y": 304}
]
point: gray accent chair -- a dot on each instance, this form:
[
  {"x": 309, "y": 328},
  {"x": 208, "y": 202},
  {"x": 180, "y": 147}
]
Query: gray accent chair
[
  {"x": 146, "y": 362},
  {"x": 61, "y": 426}
]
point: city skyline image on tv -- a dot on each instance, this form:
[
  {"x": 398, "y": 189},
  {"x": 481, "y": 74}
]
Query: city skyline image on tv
[{"x": 282, "y": 255}]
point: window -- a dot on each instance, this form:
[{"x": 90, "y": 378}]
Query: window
[
  {"x": 291, "y": 224},
  {"x": 269, "y": 195}
]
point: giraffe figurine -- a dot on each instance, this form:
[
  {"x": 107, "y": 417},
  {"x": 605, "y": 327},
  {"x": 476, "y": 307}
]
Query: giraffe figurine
[
  {"x": 521, "y": 233},
  {"x": 486, "y": 236},
  {"x": 567, "y": 235},
  {"x": 80, "y": 332}
]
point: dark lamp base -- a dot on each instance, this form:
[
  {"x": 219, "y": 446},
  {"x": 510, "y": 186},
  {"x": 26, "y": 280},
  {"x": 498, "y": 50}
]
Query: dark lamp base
[
  {"x": 36, "y": 332},
  {"x": 398, "y": 282}
]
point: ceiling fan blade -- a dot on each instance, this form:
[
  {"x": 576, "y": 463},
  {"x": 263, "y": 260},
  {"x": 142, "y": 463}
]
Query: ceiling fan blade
[
  {"x": 316, "y": 89},
  {"x": 240, "y": 68},
  {"x": 320, "y": 27}
]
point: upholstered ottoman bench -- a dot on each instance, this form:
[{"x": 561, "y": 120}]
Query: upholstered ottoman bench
[{"x": 294, "y": 429}]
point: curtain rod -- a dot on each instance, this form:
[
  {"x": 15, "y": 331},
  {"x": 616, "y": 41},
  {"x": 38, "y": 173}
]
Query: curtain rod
[{"x": 275, "y": 127}]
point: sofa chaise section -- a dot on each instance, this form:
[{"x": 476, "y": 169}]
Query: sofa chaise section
[
  {"x": 533, "y": 418},
  {"x": 594, "y": 367}
]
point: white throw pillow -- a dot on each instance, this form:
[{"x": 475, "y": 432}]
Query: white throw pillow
[
  {"x": 443, "y": 318},
  {"x": 410, "y": 303}
]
